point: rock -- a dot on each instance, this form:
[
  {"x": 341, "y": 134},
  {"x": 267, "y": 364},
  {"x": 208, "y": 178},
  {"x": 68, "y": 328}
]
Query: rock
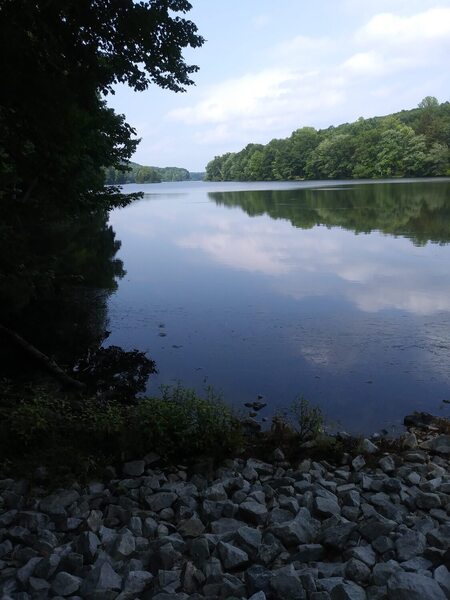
[
  {"x": 125, "y": 545},
  {"x": 387, "y": 464},
  {"x": 364, "y": 554},
  {"x": 428, "y": 500},
  {"x": 294, "y": 532},
  {"x": 376, "y": 526},
  {"x": 249, "y": 537},
  {"x": 136, "y": 582},
  {"x": 418, "y": 419},
  {"x": 226, "y": 525},
  {"x": 336, "y": 537},
  {"x": 278, "y": 455},
  {"x": 286, "y": 584},
  {"x": 411, "y": 586},
  {"x": 410, "y": 545},
  {"x": 348, "y": 591},
  {"x": 169, "y": 581},
  {"x": 65, "y": 584},
  {"x": 192, "y": 527},
  {"x": 200, "y": 552},
  {"x": 358, "y": 463},
  {"x": 382, "y": 572},
  {"x": 24, "y": 573},
  {"x": 326, "y": 507},
  {"x": 134, "y": 468},
  {"x": 309, "y": 552},
  {"x": 253, "y": 512},
  {"x": 376, "y": 592},
  {"x": 232, "y": 558},
  {"x": 5, "y": 548},
  {"x": 95, "y": 520},
  {"x": 258, "y": 596},
  {"x": 102, "y": 578},
  {"x": 409, "y": 441},
  {"x": 439, "y": 444},
  {"x": 160, "y": 500},
  {"x": 442, "y": 576},
  {"x": 87, "y": 545},
  {"x": 56, "y": 504},
  {"x": 368, "y": 447},
  {"x": 357, "y": 571},
  {"x": 257, "y": 579},
  {"x": 36, "y": 584}
]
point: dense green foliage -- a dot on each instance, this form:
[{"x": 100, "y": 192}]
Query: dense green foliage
[
  {"x": 141, "y": 174},
  {"x": 406, "y": 144},
  {"x": 81, "y": 437},
  {"x": 59, "y": 59},
  {"x": 421, "y": 211}
]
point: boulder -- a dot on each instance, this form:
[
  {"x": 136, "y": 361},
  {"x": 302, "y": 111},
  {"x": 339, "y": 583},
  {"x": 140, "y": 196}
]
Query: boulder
[{"x": 412, "y": 586}]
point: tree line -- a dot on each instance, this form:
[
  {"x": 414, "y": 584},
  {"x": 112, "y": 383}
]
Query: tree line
[
  {"x": 143, "y": 174},
  {"x": 410, "y": 143}
]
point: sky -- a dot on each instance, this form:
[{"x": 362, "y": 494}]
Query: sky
[{"x": 268, "y": 68}]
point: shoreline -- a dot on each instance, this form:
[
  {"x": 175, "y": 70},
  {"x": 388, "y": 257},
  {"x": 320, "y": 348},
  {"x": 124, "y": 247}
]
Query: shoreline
[{"x": 374, "y": 526}]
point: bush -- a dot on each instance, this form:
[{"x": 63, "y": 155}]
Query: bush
[
  {"x": 308, "y": 420},
  {"x": 84, "y": 434},
  {"x": 180, "y": 423}
]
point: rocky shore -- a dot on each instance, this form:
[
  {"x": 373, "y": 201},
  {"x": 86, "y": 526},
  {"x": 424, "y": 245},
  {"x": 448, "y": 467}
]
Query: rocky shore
[{"x": 375, "y": 526}]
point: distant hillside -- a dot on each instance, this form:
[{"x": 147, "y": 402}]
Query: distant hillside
[
  {"x": 411, "y": 143},
  {"x": 142, "y": 174}
]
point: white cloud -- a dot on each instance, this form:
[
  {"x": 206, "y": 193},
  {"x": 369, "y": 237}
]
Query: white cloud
[
  {"x": 431, "y": 25},
  {"x": 364, "y": 62},
  {"x": 318, "y": 80},
  {"x": 243, "y": 96}
]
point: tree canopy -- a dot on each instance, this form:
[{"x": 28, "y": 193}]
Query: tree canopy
[
  {"x": 58, "y": 137},
  {"x": 409, "y": 143},
  {"x": 59, "y": 60},
  {"x": 143, "y": 174}
]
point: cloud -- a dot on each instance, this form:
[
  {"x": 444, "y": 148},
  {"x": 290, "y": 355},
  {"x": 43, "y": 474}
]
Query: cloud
[
  {"x": 243, "y": 96},
  {"x": 431, "y": 25},
  {"x": 318, "y": 80},
  {"x": 364, "y": 62}
]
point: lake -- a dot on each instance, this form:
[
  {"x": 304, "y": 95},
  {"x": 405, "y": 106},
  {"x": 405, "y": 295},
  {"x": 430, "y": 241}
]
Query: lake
[{"x": 335, "y": 291}]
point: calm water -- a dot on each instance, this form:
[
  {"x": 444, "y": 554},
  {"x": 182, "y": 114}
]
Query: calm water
[{"x": 336, "y": 291}]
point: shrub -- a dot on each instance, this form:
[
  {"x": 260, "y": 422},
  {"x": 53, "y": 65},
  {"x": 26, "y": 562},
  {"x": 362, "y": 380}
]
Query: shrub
[
  {"x": 181, "y": 423},
  {"x": 83, "y": 434},
  {"x": 308, "y": 420}
]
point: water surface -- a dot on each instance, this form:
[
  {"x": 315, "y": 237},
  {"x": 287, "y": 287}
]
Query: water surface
[{"x": 339, "y": 292}]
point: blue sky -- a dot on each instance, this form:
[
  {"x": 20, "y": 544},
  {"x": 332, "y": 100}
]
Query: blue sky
[{"x": 269, "y": 67}]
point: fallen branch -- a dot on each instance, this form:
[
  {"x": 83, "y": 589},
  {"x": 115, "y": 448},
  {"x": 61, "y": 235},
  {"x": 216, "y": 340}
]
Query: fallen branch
[{"x": 49, "y": 364}]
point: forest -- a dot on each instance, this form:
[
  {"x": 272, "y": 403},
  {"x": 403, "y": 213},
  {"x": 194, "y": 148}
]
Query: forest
[
  {"x": 410, "y": 143},
  {"x": 136, "y": 173}
]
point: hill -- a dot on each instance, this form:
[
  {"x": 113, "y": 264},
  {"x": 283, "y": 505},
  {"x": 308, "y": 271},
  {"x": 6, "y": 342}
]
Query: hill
[
  {"x": 410, "y": 143},
  {"x": 143, "y": 174}
]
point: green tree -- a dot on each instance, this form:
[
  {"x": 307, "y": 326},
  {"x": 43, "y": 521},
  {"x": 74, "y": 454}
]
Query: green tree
[
  {"x": 303, "y": 142},
  {"x": 401, "y": 152},
  {"x": 332, "y": 158},
  {"x": 60, "y": 58}
]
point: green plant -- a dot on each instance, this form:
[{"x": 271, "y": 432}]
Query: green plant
[
  {"x": 79, "y": 434},
  {"x": 181, "y": 423},
  {"x": 308, "y": 420}
]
